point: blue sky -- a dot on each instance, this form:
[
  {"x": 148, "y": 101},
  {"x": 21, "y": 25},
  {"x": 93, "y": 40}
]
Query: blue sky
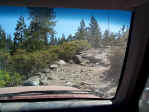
[{"x": 67, "y": 20}]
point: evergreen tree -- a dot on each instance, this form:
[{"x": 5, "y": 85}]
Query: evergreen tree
[
  {"x": 19, "y": 35},
  {"x": 82, "y": 31},
  {"x": 2, "y": 39},
  {"x": 123, "y": 36},
  {"x": 70, "y": 38},
  {"x": 63, "y": 39},
  {"x": 43, "y": 19},
  {"x": 9, "y": 42},
  {"x": 94, "y": 33},
  {"x": 108, "y": 38},
  {"x": 53, "y": 40}
]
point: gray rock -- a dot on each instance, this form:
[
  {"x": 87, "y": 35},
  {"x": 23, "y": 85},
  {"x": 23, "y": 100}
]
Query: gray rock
[
  {"x": 54, "y": 66},
  {"x": 61, "y": 62},
  {"x": 77, "y": 59},
  {"x": 38, "y": 74},
  {"x": 49, "y": 78},
  {"x": 44, "y": 76},
  {"x": 30, "y": 83},
  {"x": 44, "y": 82},
  {"x": 47, "y": 70},
  {"x": 71, "y": 61}
]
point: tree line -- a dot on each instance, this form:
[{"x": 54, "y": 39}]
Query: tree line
[
  {"x": 34, "y": 47},
  {"x": 41, "y": 33}
]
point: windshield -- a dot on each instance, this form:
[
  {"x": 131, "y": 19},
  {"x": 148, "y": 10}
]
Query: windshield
[{"x": 64, "y": 47}]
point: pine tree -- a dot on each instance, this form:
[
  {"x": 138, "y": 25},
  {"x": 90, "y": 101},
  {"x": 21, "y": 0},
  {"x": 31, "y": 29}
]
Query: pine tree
[
  {"x": 19, "y": 35},
  {"x": 123, "y": 36},
  {"x": 9, "y": 43},
  {"x": 2, "y": 39},
  {"x": 70, "y": 38},
  {"x": 94, "y": 33},
  {"x": 82, "y": 31},
  {"x": 106, "y": 37},
  {"x": 63, "y": 39},
  {"x": 44, "y": 18},
  {"x": 53, "y": 40}
]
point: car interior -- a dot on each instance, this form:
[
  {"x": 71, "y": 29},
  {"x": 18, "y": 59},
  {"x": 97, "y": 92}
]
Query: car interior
[{"x": 134, "y": 72}]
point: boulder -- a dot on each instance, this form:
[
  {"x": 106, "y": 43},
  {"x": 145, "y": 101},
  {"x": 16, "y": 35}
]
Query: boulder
[
  {"x": 54, "y": 66},
  {"x": 61, "y": 62},
  {"x": 44, "y": 82},
  {"x": 32, "y": 81},
  {"x": 47, "y": 70},
  {"x": 78, "y": 59},
  {"x": 37, "y": 74},
  {"x": 71, "y": 61}
]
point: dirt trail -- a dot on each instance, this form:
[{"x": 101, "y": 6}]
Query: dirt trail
[{"x": 88, "y": 76}]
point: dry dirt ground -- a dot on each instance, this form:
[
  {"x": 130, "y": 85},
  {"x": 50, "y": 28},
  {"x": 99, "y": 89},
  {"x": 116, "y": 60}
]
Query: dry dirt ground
[{"x": 88, "y": 75}]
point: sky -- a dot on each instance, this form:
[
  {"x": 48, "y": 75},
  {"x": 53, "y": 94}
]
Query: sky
[{"x": 67, "y": 20}]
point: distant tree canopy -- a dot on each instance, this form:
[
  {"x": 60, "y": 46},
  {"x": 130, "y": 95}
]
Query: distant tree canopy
[
  {"x": 40, "y": 33},
  {"x": 81, "y": 33},
  {"x": 94, "y": 33}
]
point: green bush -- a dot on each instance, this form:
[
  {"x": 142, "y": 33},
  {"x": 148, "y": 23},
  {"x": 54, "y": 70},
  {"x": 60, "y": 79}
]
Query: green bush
[
  {"x": 70, "y": 49},
  {"x": 9, "y": 79},
  {"x": 20, "y": 62},
  {"x": 25, "y": 63}
]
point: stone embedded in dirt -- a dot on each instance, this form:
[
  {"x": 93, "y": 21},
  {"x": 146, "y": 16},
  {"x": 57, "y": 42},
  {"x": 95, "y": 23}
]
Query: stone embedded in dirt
[
  {"x": 54, "y": 66},
  {"x": 47, "y": 70},
  {"x": 87, "y": 74},
  {"x": 43, "y": 76},
  {"x": 44, "y": 82},
  {"x": 38, "y": 73},
  {"x": 71, "y": 61},
  {"x": 79, "y": 60},
  {"x": 61, "y": 62},
  {"x": 49, "y": 78}
]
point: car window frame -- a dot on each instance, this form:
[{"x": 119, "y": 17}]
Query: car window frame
[{"x": 126, "y": 88}]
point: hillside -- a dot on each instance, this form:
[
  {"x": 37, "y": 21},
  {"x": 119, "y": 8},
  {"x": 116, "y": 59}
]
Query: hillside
[{"x": 87, "y": 71}]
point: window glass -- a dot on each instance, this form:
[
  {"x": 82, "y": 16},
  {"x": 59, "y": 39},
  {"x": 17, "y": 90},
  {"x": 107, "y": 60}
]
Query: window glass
[
  {"x": 144, "y": 100},
  {"x": 77, "y": 48}
]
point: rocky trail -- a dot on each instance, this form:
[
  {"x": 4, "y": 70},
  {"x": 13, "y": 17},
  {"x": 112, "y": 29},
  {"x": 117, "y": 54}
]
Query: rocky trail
[{"x": 86, "y": 72}]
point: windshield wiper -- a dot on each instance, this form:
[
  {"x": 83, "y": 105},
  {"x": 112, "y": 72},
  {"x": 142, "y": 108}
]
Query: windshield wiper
[{"x": 27, "y": 93}]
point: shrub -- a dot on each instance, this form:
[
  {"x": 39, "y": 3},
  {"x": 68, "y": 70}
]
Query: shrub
[
  {"x": 20, "y": 62},
  {"x": 42, "y": 59},
  {"x": 70, "y": 49},
  {"x": 25, "y": 63},
  {"x": 9, "y": 79},
  {"x": 4, "y": 55}
]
